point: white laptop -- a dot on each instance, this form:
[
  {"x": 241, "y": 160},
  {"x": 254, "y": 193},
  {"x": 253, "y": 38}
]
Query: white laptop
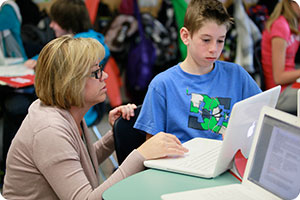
[
  {"x": 10, "y": 67},
  {"x": 209, "y": 158},
  {"x": 9, "y": 61},
  {"x": 273, "y": 167}
]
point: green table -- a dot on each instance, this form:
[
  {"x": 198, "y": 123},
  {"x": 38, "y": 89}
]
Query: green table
[{"x": 151, "y": 184}]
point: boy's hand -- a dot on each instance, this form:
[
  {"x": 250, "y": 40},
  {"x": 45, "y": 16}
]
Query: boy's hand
[{"x": 30, "y": 63}]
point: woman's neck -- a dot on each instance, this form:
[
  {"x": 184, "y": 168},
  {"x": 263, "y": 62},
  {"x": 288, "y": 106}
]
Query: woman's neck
[{"x": 78, "y": 114}]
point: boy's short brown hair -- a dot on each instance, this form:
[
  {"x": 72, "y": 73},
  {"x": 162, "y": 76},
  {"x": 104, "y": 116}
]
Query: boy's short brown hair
[
  {"x": 71, "y": 15},
  {"x": 200, "y": 11}
]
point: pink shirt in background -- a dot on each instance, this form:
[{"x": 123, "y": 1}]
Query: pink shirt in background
[{"x": 279, "y": 28}]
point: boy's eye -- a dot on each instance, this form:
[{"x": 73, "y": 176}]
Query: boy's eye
[
  {"x": 205, "y": 40},
  {"x": 220, "y": 41}
]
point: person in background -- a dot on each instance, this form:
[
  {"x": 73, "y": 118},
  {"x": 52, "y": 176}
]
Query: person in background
[
  {"x": 72, "y": 17},
  {"x": 13, "y": 102},
  {"x": 55, "y": 158},
  {"x": 279, "y": 45},
  {"x": 194, "y": 98},
  {"x": 10, "y": 30}
]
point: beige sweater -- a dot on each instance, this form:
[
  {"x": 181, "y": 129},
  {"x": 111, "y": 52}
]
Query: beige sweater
[{"x": 49, "y": 160}]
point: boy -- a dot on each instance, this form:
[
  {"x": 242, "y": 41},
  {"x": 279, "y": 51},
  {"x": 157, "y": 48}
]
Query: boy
[{"x": 194, "y": 98}]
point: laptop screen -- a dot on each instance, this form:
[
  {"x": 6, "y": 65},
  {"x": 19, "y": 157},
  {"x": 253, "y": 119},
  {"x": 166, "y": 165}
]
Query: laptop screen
[{"x": 276, "y": 162}]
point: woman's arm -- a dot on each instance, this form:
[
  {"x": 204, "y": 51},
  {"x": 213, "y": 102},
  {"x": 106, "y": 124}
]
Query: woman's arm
[{"x": 281, "y": 77}]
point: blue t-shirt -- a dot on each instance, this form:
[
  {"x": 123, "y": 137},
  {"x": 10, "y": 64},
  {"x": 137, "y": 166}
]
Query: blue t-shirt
[{"x": 190, "y": 106}]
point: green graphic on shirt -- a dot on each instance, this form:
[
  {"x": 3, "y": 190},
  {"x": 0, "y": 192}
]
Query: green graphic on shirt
[{"x": 207, "y": 113}]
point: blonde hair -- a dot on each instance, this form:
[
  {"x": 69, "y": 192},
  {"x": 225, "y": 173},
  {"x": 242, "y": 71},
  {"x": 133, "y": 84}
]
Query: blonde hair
[
  {"x": 200, "y": 11},
  {"x": 62, "y": 68},
  {"x": 284, "y": 8}
]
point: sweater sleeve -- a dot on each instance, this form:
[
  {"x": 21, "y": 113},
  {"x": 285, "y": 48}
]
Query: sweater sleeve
[
  {"x": 56, "y": 156},
  {"x": 104, "y": 147},
  {"x": 131, "y": 165}
]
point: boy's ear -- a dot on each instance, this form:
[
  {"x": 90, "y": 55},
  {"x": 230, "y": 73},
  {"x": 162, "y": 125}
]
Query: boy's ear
[{"x": 185, "y": 35}]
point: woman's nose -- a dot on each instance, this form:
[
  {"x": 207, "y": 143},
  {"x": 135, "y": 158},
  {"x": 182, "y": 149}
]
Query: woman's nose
[{"x": 104, "y": 76}]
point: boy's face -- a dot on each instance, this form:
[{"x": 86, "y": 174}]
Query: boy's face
[
  {"x": 57, "y": 29},
  {"x": 206, "y": 44}
]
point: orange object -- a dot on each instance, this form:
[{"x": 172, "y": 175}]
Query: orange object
[
  {"x": 92, "y": 7},
  {"x": 113, "y": 83}
]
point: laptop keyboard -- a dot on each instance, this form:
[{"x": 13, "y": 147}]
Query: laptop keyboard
[
  {"x": 200, "y": 161},
  {"x": 227, "y": 193}
]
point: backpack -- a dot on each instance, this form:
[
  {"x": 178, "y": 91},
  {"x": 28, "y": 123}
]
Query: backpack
[
  {"x": 141, "y": 58},
  {"x": 259, "y": 15},
  {"x": 30, "y": 11},
  {"x": 35, "y": 37},
  {"x": 164, "y": 41},
  {"x": 119, "y": 33}
]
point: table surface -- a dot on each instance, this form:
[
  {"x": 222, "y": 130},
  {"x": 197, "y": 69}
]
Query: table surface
[{"x": 151, "y": 184}]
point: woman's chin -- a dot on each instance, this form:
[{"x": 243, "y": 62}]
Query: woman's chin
[{"x": 102, "y": 98}]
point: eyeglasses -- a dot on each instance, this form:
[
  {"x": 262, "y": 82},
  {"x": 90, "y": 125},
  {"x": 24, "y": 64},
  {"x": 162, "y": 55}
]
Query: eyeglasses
[{"x": 98, "y": 73}]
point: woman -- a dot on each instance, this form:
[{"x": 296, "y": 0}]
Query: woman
[
  {"x": 51, "y": 156},
  {"x": 280, "y": 42},
  {"x": 72, "y": 17}
]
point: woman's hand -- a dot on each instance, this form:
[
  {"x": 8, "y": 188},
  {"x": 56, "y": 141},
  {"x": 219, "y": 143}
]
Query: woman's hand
[
  {"x": 30, "y": 63},
  {"x": 126, "y": 111},
  {"x": 162, "y": 145}
]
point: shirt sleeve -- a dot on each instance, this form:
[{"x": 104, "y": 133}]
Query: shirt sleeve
[
  {"x": 104, "y": 147},
  {"x": 152, "y": 118},
  {"x": 280, "y": 28},
  {"x": 250, "y": 87},
  {"x": 131, "y": 165}
]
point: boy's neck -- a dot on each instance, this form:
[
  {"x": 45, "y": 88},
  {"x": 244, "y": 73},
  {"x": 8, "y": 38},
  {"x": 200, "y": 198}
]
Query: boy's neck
[{"x": 193, "y": 68}]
